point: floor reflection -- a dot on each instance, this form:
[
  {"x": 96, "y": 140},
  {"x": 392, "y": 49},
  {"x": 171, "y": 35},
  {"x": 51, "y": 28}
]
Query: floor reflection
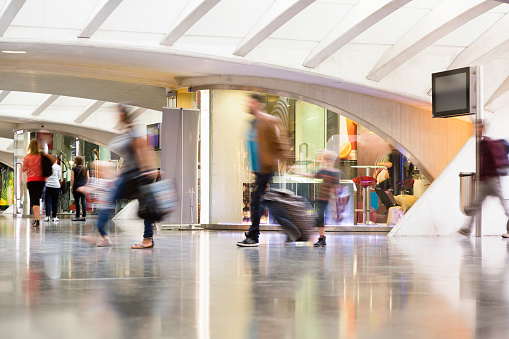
[{"x": 200, "y": 285}]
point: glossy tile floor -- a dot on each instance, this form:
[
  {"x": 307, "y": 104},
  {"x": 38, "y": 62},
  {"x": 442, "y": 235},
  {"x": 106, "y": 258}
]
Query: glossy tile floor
[{"x": 200, "y": 285}]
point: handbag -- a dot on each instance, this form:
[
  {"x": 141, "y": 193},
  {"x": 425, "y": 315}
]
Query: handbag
[{"x": 157, "y": 199}]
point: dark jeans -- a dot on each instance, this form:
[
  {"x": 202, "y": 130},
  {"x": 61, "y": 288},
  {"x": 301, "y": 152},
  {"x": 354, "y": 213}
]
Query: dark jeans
[
  {"x": 320, "y": 214},
  {"x": 380, "y": 191},
  {"x": 80, "y": 198},
  {"x": 261, "y": 182},
  {"x": 120, "y": 191},
  {"x": 51, "y": 200}
]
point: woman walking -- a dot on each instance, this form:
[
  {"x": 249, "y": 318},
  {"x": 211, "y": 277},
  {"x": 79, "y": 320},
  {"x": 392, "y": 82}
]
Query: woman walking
[
  {"x": 79, "y": 178},
  {"x": 139, "y": 165},
  {"x": 32, "y": 164},
  {"x": 53, "y": 191}
]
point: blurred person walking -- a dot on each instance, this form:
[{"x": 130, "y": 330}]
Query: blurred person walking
[
  {"x": 494, "y": 163},
  {"x": 139, "y": 168},
  {"x": 100, "y": 186},
  {"x": 32, "y": 164},
  {"x": 53, "y": 191},
  {"x": 266, "y": 148},
  {"x": 79, "y": 178},
  {"x": 330, "y": 179}
]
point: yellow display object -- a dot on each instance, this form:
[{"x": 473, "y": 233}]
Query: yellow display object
[
  {"x": 405, "y": 201},
  {"x": 346, "y": 149}
]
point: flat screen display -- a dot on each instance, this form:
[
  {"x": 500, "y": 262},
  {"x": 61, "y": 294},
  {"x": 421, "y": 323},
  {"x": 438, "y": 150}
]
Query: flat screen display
[
  {"x": 153, "y": 136},
  {"x": 451, "y": 94}
]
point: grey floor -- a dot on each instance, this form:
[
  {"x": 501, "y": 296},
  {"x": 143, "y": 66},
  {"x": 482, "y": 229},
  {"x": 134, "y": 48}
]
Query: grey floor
[{"x": 200, "y": 285}]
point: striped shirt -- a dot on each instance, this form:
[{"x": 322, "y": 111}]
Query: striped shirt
[{"x": 330, "y": 177}]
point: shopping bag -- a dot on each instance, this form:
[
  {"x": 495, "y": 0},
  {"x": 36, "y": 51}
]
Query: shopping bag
[{"x": 157, "y": 199}]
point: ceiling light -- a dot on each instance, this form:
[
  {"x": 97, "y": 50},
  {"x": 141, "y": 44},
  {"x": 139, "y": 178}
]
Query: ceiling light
[{"x": 14, "y": 52}]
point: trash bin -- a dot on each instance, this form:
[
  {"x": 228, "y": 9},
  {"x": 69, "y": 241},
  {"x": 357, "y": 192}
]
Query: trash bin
[{"x": 467, "y": 183}]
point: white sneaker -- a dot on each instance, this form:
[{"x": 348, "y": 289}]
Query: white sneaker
[
  {"x": 46, "y": 219},
  {"x": 55, "y": 219}
]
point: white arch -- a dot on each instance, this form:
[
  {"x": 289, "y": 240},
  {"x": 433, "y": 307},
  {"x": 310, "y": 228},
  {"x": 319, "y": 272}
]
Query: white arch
[
  {"x": 99, "y": 18},
  {"x": 429, "y": 143},
  {"x": 11, "y": 10}
]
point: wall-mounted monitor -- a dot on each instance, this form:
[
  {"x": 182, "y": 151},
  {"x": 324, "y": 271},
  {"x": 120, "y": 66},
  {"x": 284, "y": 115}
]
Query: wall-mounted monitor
[
  {"x": 453, "y": 92},
  {"x": 153, "y": 136}
]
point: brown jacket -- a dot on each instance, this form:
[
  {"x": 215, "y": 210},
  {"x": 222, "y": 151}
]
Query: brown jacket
[{"x": 271, "y": 142}]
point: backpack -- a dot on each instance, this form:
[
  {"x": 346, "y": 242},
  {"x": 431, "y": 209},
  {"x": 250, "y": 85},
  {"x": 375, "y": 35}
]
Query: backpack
[
  {"x": 499, "y": 152},
  {"x": 46, "y": 165}
]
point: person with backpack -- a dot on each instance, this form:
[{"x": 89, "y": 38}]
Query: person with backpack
[
  {"x": 494, "y": 162},
  {"x": 32, "y": 164},
  {"x": 79, "y": 178}
]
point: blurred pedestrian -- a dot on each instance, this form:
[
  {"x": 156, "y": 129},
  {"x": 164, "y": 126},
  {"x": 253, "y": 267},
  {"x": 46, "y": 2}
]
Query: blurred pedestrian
[
  {"x": 139, "y": 168},
  {"x": 330, "y": 179},
  {"x": 53, "y": 191},
  {"x": 100, "y": 185},
  {"x": 393, "y": 164},
  {"x": 79, "y": 177},
  {"x": 32, "y": 164},
  {"x": 493, "y": 163},
  {"x": 266, "y": 148}
]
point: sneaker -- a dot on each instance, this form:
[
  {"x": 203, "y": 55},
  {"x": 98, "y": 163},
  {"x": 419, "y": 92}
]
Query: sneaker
[
  {"x": 320, "y": 242},
  {"x": 506, "y": 235},
  {"x": 82, "y": 219},
  {"x": 248, "y": 242},
  {"x": 465, "y": 232},
  {"x": 46, "y": 219},
  {"x": 55, "y": 219},
  {"x": 36, "y": 223},
  {"x": 75, "y": 219}
]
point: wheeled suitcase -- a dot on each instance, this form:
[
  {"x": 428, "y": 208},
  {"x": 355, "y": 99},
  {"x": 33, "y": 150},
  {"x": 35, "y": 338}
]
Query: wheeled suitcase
[{"x": 285, "y": 204}]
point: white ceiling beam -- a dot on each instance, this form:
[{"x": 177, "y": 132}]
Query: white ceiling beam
[
  {"x": 446, "y": 17},
  {"x": 135, "y": 113},
  {"x": 360, "y": 18},
  {"x": 99, "y": 18},
  {"x": 88, "y": 111},
  {"x": 3, "y": 95},
  {"x": 192, "y": 13},
  {"x": 11, "y": 10},
  {"x": 498, "y": 98},
  {"x": 45, "y": 104},
  {"x": 489, "y": 46},
  {"x": 279, "y": 13}
]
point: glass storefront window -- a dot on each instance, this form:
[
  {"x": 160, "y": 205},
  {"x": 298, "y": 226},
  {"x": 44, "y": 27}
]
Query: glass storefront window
[{"x": 310, "y": 130}]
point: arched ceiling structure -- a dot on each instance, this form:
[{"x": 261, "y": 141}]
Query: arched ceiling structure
[{"x": 82, "y": 56}]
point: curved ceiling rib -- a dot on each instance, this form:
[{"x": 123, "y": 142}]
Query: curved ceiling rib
[
  {"x": 45, "y": 104},
  {"x": 492, "y": 44},
  {"x": 363, "y": 16},
  {"x": 99, "y": 18},
  {"x": 276, "y": 16},
  {"x": 11, "y": 10},
  {"x": 193, "y": 12},
  {"x": 498, "y": 97},
  {"x": 446, "y": 17},
  {"x": 3, "y": 95},
  {"x": 88, "y": 111}
]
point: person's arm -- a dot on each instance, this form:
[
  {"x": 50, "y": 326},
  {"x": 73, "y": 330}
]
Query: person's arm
[
  {"x": 386, "y": 164},
  {"x": 88, "y": 176},
  {"x": 72, "y": 178},
  {"x": 145, "y": 156},
  {"x": 24, "y": 166}
]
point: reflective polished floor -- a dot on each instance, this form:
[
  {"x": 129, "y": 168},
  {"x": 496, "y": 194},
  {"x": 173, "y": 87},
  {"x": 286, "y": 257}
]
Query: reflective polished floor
[{"x": 198, "y": 284}]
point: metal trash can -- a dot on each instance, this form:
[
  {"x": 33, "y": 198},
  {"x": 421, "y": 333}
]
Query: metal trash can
[{"x": 467, "y": 193}]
